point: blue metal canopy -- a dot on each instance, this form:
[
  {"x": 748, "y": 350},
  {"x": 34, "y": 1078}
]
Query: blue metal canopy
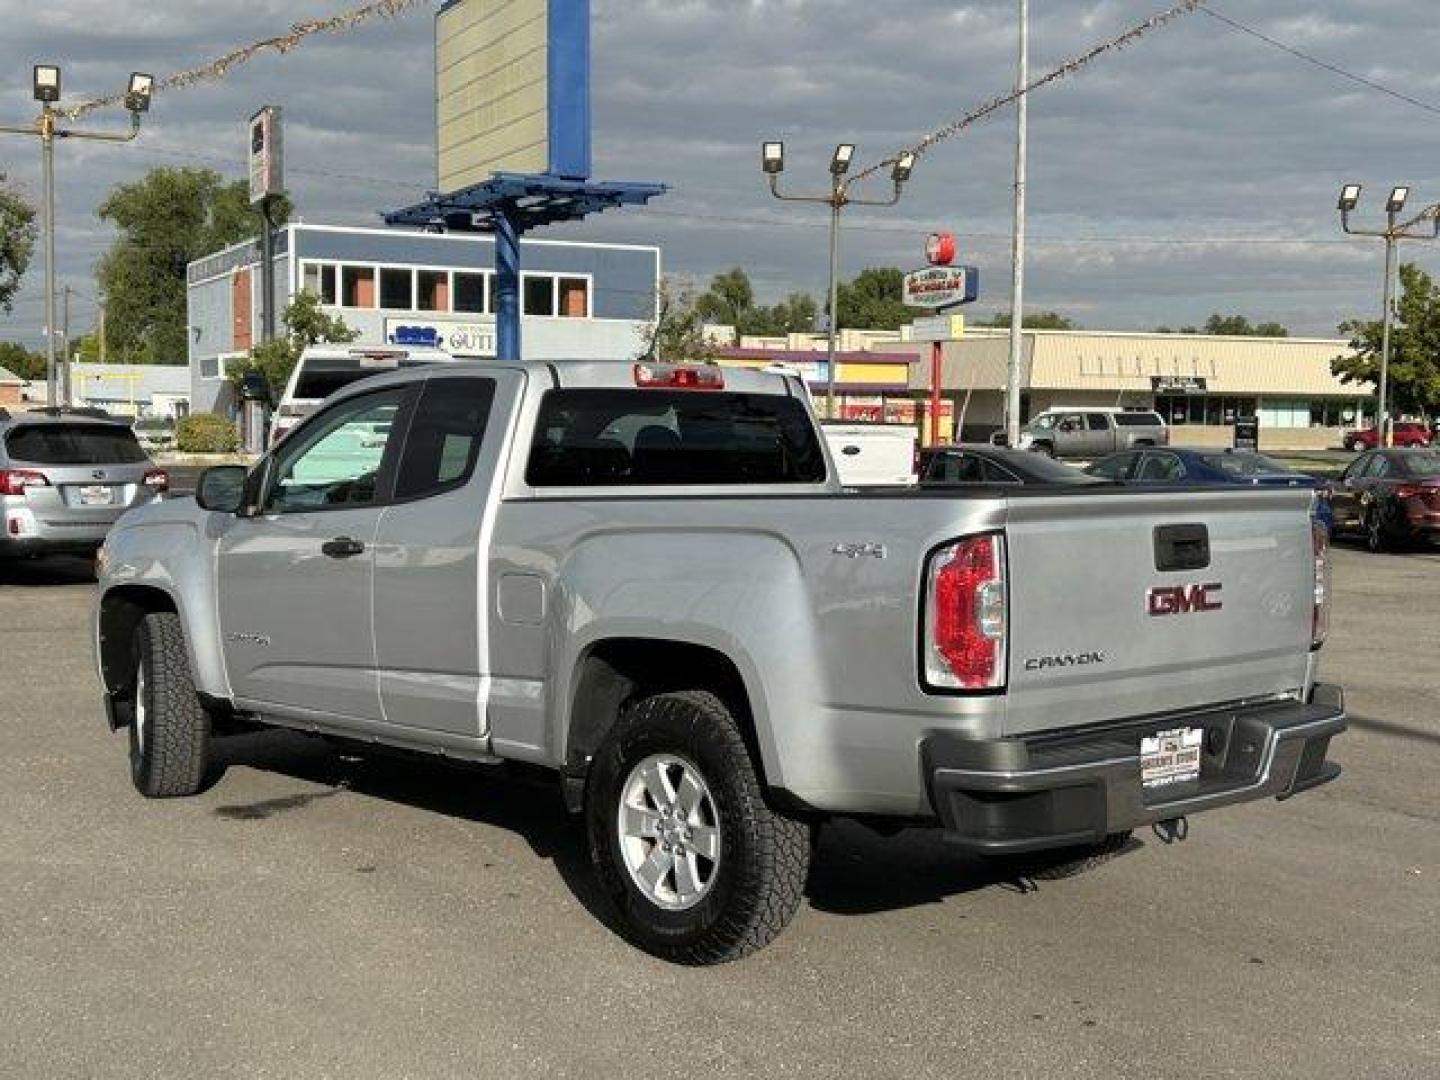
[{"x": 529, "y": 200}]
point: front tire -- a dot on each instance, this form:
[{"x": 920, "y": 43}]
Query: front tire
[
  {"x": 697, "y": 866},
  {"x": 1377, "y": 537},
  {"x": 169, "y": 727}
]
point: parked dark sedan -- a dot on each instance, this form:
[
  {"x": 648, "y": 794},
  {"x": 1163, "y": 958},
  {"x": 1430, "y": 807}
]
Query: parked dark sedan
[
  {"x": 1174, "y": 465},
  {"x": 980, "y": 463},
  {"x": 1391, "y": 497}
]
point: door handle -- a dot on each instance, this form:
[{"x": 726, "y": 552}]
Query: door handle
[{"x": 342, "y": 547}]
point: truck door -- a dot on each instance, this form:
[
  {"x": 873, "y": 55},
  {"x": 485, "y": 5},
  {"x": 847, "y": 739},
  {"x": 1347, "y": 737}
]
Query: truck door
[
  {"x": 432, "y": 587},
  {"x": 295, "y": 580}
]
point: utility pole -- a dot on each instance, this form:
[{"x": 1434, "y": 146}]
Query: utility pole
[
  {"x": 1423, "y": 226},
  {"x": 1017, "y": 240},
  {"x": 46, "y": 126},
  {"x": 100, "y": 330},
  {"x": 772, "y": 164}
]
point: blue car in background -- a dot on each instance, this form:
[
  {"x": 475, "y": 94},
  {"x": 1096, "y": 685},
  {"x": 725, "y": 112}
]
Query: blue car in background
[{"x": 1178, "y": 465}]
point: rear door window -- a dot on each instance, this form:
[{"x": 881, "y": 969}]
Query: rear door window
[
  {"x": 74, "y": 444},
  {"x": 445, "y": 437},
  {"x": 1097, "y": 421},
  {"x": 601, "y": 438}
]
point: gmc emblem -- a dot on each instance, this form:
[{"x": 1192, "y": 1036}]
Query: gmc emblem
[{"x": 1183, "y": 599}]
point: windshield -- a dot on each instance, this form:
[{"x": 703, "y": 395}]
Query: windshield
[
  {"x": 1424, "y": 465},
  {"x": 74, "y": 444},
  {"x": 1047, "y": 470},
  {"x": 1244, "y": 464}
]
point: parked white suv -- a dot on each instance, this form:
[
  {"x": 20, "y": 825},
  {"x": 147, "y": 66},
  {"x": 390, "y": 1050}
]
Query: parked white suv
[
  {"x": 1091, "y": 433},
  {"x": 324, "y": 369}
]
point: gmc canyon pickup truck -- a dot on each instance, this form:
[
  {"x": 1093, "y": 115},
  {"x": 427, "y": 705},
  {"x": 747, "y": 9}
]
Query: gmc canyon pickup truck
[{"x": 646, "y": 579}]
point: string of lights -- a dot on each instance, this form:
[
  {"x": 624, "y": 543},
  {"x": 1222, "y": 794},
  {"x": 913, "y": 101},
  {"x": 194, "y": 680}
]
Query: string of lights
[
  {"x": 1069, "y": 67},
  {"x": 218, "y": 68}
]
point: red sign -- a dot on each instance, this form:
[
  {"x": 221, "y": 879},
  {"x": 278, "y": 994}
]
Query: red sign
[{"x": 940, "y": 248}]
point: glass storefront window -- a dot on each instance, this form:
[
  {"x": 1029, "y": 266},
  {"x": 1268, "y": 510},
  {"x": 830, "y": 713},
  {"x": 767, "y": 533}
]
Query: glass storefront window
[
  {"x": 397, "y": 288},
  {"x": 470, "y": 294},
  {"x": 434, "y": 290}
]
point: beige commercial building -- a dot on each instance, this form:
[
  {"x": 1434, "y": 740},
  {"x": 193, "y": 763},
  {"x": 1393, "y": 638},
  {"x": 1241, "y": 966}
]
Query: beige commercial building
[{"x": 1197, "y": 382}]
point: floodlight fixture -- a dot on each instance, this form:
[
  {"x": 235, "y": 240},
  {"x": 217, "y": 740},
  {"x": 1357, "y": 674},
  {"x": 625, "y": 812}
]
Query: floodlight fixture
[
  {"x": 904, "y": 166},
  {"x": 772, "y": 157},
  {"x": 1349, "y": 197},
  {"x": 1396, "y": 202},
  {"x": 47, "y": 83},
  {"x": 142, "y": 88},
  {"x": 840, "y": 163}
]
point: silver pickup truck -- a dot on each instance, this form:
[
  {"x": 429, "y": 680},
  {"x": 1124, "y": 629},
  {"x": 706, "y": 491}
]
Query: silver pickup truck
[{"x": 645, "y": 579}]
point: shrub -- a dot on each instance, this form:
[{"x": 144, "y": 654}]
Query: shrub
[{"x": 206, "y": 433}]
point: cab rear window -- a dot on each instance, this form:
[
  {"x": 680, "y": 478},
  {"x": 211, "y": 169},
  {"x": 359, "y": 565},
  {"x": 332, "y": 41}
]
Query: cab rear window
[
  {"x": 74, "y": 444},
  {"x": 607, "y": 438}
]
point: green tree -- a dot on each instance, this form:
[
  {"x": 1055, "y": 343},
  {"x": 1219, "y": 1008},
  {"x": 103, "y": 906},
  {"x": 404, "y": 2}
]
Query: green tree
[
  {"x": 305, "y": 324},
  {"x": 17, "y": 358},
  {"x": 729, "y": 299},
  {"x": 872, "y": 300},
  {"x": 677, "y": 335},
  {"x": 17, "y": 241},
  {"x": 1240, "y": 326},
  {"x": 165, "y": 220},
  {"x": 796, "y": 314},
  {"x": 1414, "y": 347},
  {"x": 1182, "y": 330},
  {"x": 1035, "y": 320}
]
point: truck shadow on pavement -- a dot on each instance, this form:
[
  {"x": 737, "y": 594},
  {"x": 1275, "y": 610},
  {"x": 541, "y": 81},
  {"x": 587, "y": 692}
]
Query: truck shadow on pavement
[
  {"x": 854, "y": 872},
  {"x": 46, "y": 573}
]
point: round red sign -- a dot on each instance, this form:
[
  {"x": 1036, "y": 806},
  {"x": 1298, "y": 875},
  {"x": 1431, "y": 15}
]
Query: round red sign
[{"x": 940, "y": 248}]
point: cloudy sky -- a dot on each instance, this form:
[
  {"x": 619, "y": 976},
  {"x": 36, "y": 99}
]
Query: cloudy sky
[{"x": 1193, "y": 172}]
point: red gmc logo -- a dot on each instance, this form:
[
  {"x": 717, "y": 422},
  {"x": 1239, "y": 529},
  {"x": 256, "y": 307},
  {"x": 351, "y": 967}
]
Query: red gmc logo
[{"x": 1182, "y": 599}]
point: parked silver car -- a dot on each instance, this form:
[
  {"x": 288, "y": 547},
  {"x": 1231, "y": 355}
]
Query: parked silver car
[
  {"x": 66, "y": 475},
  {"x": 1092, "y": 432}
]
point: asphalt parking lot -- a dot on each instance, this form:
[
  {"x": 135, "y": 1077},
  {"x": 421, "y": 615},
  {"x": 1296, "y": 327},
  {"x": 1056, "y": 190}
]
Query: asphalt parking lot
[{"x": 312, "y": 916}]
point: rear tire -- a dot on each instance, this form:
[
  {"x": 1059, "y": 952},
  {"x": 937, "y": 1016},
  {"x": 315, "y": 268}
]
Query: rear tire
[
  {"x": 1064, "y": 863},
  {"x": 675, "y": 771},
  {"x": 1377, "y": 537},
  {"x": 169, "y": 727}
]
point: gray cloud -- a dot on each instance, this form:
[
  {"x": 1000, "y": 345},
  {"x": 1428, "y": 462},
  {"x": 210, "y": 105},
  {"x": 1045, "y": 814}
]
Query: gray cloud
[{"x": 1198, "y": 134}]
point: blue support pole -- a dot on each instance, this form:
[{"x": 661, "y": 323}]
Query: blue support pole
[{"x": 507, "y": 285}]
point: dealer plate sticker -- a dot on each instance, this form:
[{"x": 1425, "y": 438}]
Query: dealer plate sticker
[{"x": 1170, "y": 757}]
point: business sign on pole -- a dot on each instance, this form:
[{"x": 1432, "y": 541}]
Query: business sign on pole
[
  {"x": 941, "y": 286},
  {"x": 938, "y": 328},
  {"x": 512, "y": 89},
  {"x": 457, "y": 337},
  {"x": 267, "y": 155}
]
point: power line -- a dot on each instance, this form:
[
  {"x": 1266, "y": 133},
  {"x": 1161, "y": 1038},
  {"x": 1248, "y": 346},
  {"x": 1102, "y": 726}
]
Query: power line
[
  {"x": 1069, "y": 67},
  {"x": 1334, "y": 69}
]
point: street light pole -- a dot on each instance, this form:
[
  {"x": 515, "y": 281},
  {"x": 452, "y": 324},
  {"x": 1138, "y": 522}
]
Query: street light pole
[
  {"x": 772, "y": 163},
  {"x": 1017, "y": 248},
  {"x": 47, "y": 128},
  {"x": 1423, "y": 226}
]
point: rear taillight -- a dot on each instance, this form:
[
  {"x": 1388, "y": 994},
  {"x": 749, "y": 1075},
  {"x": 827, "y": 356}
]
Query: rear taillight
[
  {"x": 157, "y": 480},
  {"x": 15, "y": 481},
  {"x": 673, "y": 377},
  {"x": 1320, "y": 615},
  {"x": 965, "y": 615}
]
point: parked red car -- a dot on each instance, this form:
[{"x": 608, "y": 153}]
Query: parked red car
[
  {"x": 1390, "y": 497},
  {"x": 1406, "y": 433}
]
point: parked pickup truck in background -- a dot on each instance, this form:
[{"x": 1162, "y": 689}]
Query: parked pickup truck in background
[
  {"x": 648, "y": 580},
  {"x": 1092, "y": 433}
]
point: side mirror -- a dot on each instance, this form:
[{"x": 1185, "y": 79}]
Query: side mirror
[{"x": 222, "y": 488}]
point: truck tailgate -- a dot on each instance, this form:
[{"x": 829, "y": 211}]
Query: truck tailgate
[{"x": 1117, "y": 611}]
